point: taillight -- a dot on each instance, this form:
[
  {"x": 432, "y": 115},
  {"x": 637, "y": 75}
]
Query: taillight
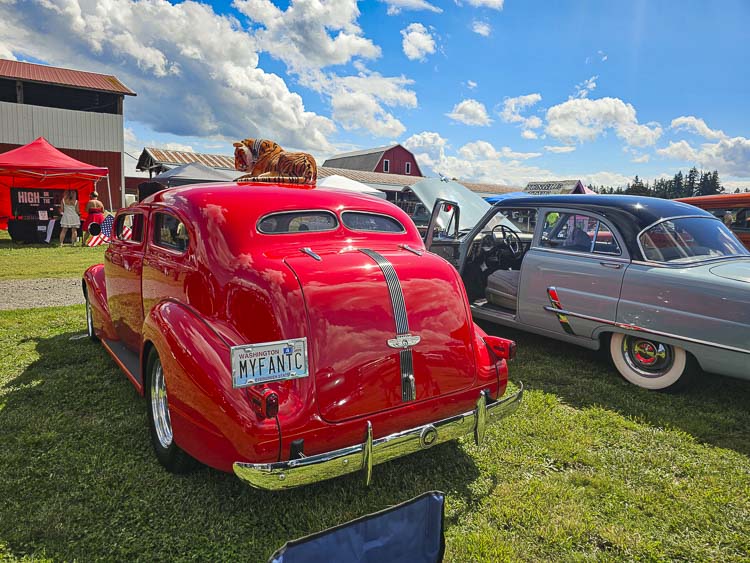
[
  {"x": 265, "y": 402},
  {"x": 501, "y": 348}
]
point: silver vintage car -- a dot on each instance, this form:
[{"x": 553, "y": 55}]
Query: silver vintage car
[{"x": 662, "y": 284}]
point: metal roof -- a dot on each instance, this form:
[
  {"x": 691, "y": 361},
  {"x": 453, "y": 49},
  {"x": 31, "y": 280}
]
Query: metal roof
[
  {"x": 370, "y": 177},
  {"x": 44, "y": 74},
  {"x": 152, "y": 157},
  {"x": 365, "y": 160}
]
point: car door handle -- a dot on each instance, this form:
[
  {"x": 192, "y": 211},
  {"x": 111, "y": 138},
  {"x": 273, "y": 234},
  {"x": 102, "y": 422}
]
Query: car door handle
[{"x": 613, "y": 265}]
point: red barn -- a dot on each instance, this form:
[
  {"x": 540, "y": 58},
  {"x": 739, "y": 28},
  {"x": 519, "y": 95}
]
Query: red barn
[
  {"x": 79, "y": 113},
  {"x": 392, "y": 159}
]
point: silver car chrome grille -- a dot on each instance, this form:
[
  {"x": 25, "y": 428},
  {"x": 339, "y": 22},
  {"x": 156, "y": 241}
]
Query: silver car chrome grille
[{"x": 408, "y": 390}]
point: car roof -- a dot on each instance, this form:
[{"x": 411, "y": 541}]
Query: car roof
[{"x": 630, "y": 214}]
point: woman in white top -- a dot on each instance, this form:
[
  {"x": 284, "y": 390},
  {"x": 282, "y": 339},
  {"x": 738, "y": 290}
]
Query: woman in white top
[{"x": 70, "y": 218}]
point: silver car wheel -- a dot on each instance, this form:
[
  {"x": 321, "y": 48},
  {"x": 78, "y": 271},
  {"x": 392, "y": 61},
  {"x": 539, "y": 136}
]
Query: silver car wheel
[
  {"x": 159, "y": 406},
  {"x": 89, "y": 319},
  {"x": 647, "y": 363}
]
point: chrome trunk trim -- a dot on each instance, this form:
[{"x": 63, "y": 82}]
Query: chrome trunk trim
[{"x": 408, "y": 388}]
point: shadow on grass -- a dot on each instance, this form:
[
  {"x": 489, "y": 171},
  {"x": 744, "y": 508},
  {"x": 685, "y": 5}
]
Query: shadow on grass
[
  {"x": 714, "y": 409},
  {"x": 80, "y": 480}
]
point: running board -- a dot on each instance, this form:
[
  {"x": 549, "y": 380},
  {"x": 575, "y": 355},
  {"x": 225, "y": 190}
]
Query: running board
[
  {"x": 482, "y": 309},
  {"x": 128, "y": 361}
]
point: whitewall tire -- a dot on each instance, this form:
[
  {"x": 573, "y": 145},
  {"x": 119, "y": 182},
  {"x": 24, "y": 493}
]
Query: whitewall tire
[{"x": 648, "y": 363}]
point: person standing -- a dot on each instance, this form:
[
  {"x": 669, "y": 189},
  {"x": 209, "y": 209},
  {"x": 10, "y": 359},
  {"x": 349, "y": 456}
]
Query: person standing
[
  {"x": 70, "y": 218},
  {"x": 95, "y": 214}
]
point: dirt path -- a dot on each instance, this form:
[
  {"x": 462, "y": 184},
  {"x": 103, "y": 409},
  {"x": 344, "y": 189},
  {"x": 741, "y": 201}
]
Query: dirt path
[{"x": 44, "y": 292}]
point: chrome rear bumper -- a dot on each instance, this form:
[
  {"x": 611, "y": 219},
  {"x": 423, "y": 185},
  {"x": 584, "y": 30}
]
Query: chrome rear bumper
[{"x": 362, "y": 457}]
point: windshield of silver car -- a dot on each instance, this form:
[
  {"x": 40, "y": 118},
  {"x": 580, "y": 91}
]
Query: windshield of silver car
[{"x": 689, "y": 239}]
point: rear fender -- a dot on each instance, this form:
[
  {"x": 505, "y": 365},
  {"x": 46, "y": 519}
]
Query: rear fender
[
  {"x": 492, "y": 371},
  {"x": 212, "y": 421},
  {"x": 95, "y": 288}
]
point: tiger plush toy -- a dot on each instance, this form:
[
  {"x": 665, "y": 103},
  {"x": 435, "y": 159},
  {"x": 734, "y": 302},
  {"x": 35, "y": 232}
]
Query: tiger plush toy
[{"x": 265, "y": 161}]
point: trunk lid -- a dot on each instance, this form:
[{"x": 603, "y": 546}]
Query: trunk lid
[{"x": 350, "y": 308}]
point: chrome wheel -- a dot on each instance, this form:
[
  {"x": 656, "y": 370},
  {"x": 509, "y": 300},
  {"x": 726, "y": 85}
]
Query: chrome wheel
[
  {"x": 89, "y": 319},
  {"x": 159, "y": 406},
  {"x": 646, "y": 357}
]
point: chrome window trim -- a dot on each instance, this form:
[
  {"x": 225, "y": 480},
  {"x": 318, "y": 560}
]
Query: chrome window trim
[
  {"x": 544, "y": 211},
  {"x": 266, "y": 216},
  {"x": 401, "y": 232},
  {"x": 594, "y": 255},
  {"x": 680, "y": 264},
  {"x": 637, "y": 328}
]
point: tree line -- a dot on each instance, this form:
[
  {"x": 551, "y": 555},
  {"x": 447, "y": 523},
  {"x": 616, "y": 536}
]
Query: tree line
[{"x": 694, "y": 183}]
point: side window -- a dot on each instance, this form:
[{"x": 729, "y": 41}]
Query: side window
[
  {"x": 129, "y": 226},
  {"x": 741, "y": 220},
  {"x": 407, "y": 168},
  {"x": 577, "y": 233},
  {"x": 170, "y": 232},
  {"x": 386, "y": 165},
  {"x": 605, "y": 242}
]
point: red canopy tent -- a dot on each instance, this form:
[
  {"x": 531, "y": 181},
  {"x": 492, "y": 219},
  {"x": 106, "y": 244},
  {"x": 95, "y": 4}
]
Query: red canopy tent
[{"x": 40, "y": 166}]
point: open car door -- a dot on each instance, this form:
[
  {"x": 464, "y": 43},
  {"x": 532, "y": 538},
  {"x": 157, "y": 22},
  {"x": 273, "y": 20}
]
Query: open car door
[{"x": 442, "y": 237}]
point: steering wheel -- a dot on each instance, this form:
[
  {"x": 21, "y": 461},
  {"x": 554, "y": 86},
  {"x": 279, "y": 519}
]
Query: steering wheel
[{"x": 510, "y": 240}]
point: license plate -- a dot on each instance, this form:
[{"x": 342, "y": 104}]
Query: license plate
[{"x": 269, "y": 361}]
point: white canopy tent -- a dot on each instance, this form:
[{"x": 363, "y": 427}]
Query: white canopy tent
[{"x": 342, "y": 183}]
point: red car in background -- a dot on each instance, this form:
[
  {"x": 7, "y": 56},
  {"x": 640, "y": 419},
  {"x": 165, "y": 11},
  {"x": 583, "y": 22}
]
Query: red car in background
[
  {"x": 291, "y": 334},
  {"x": 733, "y": 209}
]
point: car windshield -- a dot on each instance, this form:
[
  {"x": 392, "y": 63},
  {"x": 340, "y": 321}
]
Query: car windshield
[{"x": 689, "y": 239}]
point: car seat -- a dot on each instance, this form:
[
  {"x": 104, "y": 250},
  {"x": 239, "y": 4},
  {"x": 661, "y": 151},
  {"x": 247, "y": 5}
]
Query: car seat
[{"x": 502, "y": 288}]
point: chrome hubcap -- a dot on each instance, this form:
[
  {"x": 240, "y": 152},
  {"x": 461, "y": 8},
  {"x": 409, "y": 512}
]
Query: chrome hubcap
[
  {"x": 646, "y": 357},
  {"x": 159, "y": 408}
]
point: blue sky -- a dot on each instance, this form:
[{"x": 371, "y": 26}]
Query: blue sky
[{"x": 489, "y": 90}]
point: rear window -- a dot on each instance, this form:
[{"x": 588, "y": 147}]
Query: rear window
[
  {"x": 297, "y": 222},
  {"x": 689, "y": 239},
  {"x": 359, "y": 221}
]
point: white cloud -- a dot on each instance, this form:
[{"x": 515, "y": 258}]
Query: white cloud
[
  {"x": 584, "y": 120},
  {"x": 479, "y": 161},
  {"x": 511, "y": 113},
  {"x": 482, "y": 150},
  {"x": 481, "y": 28},
  {"x": 470, "y": 112},
  {"x": 417, "y": 42},
  {"x": 585, "y": 88},
  {"x": 359, "y": 102},
  {"x": 471, "y": 84},
  {"x": 696, "y": 125},
  {"x": 157, "y": 49},
  {"x": 560, "y": 149},
  {"x": 197, "y": 74},
  {"x": 603, "y": 56},
  {"x": 395, "y": 6},
  {"x": 605, "y": 178},
  {"x": 309, "y": 33},
  {"x": 680, "y": 150},
  {"x": 492, "y": 4},
  {"x": 642, "y": 158},
  {"x": 729, "y": 156}
]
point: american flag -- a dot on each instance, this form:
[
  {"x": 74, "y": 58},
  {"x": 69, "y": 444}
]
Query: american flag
[
  {"x": 105, "y": 234},
  {"x": 127, "y": 233}
]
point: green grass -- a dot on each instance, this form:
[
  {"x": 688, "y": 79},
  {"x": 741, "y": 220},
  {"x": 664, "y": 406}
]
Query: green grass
[
  {"x": 589, "y": 468},
  {"x": 27, "y": 261}
]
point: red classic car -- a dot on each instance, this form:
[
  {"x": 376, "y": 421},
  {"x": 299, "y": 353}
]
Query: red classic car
[{"x": 291, "y": 334}]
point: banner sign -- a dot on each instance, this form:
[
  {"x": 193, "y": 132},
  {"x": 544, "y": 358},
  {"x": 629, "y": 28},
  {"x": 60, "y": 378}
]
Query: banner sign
[
  {"x": 29, "y": 203},
  {"x": 554, "y": 187}
]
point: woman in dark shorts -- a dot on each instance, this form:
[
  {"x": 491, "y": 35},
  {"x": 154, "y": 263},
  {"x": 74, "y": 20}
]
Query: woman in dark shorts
[{"x": 95, "y": 210}]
